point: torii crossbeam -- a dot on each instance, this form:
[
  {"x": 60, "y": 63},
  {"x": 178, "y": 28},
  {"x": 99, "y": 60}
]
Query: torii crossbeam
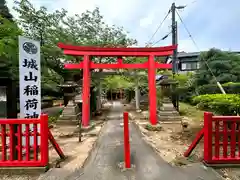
[{"x": 87, "y": 52}]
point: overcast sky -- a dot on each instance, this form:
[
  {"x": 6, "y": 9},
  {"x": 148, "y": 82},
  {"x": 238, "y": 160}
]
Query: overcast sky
[{"x": 212, "y": 23}]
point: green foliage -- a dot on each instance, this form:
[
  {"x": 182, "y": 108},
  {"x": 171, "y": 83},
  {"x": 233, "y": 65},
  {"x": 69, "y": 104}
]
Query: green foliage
[
  {"x": 8, "y": 48},
  {"x": 230, "y": 88},
  {"x": 117, "y": 82},
  {"x": 224, "y": 65},
  {"x": 50, "y": 28},
  {"x": 150, "y": 127},
  {"x": 191, "y": 111},
  {"x": 224, "y": 104},
  {"x": 53, "y": 119},
  {"x": 184, "y": 79},
  {"x": 4, "y": 11},
  {"x": 226, "y": 68},
  {"x": 186, "y": 93}
]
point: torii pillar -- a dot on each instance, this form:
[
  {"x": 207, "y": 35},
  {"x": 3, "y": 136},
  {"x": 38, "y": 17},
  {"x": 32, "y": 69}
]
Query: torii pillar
[{"x": 86, "y": 65}]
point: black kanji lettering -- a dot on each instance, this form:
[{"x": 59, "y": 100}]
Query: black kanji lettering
[
  {"x": 31, "y": 77},
  {"x": 30, "y": 64},
  {"x": 34, "y": 115},
  {"x": 31, "y": 103},
  {"x": 31, "y": 90}
]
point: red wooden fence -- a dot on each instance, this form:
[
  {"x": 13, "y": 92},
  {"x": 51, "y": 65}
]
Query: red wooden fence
[
  {"x": 15, "y": 153},
  {"x": 221, "y": 139}
]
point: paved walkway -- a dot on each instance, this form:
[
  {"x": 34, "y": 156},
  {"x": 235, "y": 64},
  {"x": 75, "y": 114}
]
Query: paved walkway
[{"x": 104, "y": 160}]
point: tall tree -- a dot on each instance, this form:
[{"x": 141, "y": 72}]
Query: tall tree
[
  {"x": 4, "y": 11},
  {"x": 9, "y": 32},
  {"x": 52, "y": 28},
  {"x": 224, "y": 65}
]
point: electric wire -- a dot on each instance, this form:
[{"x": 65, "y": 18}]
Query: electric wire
[
  {"x": 194, "y": 42},
  {"x": 160, "y": 25},
  {"x": 163, "y": 38}
]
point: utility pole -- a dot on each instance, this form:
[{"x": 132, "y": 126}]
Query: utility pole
[{"x": 174, "y": 37}]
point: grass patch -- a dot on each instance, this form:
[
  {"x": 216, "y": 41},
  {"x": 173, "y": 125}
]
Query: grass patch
[
  {"x": 182, "y": 161},
  {"x": 150, "y": 127},
  {"x": 53, "y": 118},
  {"x": 191, "y": 112}
]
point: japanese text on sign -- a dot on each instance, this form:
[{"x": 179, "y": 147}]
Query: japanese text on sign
[{"x": 30, "y": 78}]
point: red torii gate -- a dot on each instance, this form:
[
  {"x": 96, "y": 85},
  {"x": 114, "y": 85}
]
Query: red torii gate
[{"x": 87, "y": 64}]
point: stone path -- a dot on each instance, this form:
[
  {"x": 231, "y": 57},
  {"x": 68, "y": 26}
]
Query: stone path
[{"x": 108, "y": 153}]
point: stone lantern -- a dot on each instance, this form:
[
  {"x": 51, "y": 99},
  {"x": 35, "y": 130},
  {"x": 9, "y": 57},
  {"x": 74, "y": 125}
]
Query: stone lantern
[
  {"x": 167, "y": 86},
  {"x": 71, "y": 112},
  {"x": 168, "y": 112}
]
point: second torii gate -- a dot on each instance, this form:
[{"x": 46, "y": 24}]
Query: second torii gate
[{"x": 88, "y": 51}]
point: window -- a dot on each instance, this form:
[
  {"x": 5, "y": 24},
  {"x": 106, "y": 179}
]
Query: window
[
  {"x": 190, "y": 66},
  {"x": 184, "y": 66}
]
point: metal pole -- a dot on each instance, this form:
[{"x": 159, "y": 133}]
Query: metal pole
[
  {"x": 174, "y": 38},
  {"x": 176, "y": 50}
]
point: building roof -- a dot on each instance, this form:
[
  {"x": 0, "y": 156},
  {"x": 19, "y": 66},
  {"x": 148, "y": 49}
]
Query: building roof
[
  {"x": 191, "y": 54},
  {"x": 195, "y": 54}
]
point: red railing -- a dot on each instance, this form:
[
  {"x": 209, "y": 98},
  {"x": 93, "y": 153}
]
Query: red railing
[
  {"x": 20, "y": 146},
  {"x": 221, "y": 139}
]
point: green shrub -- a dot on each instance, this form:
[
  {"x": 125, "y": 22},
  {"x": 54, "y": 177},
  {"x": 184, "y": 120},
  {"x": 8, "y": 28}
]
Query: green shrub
[
  {"x": 231, "y": 88},
  {"x": 52, "y": 119},
  {"x": 185, "y": 94},
  {"x": 224, "y": 104},
  {"x": 150, "y": 127}
]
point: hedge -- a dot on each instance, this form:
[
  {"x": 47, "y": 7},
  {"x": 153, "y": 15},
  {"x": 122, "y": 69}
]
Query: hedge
[
  {"x": 223, "y": 104},
  {"x": 185, "y": 94},
  {"x": 230, "y": 88}
]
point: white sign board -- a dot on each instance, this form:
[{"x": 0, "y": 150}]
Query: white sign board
[
  {"x": 29, "y": 82},
  {"x": 29, "y": 78}
]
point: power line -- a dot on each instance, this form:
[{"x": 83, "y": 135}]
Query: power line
[
  {"x": 191, "y": 3},
  {"x": 163, "y": 38},
  {"x": 194, "y": 42},
  {"x": 187, "y": 30},
  {"x": 160, "y": 25}
]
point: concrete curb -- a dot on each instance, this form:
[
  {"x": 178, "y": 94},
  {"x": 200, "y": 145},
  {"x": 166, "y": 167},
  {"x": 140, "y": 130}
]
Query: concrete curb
[
  {"x": 143, "y": 136},
  {"x": 158, "y": 151},
  {"x": 23, "y": 170},
  {"x": 67, "y": 174},
  {"x": 90, "y": 153}
]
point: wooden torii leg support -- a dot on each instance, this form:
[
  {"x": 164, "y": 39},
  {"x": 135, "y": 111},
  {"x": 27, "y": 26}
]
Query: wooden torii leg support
[{"x": 87, "y": 64}]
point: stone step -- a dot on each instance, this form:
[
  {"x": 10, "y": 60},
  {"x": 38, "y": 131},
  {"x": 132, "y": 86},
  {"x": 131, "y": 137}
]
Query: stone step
[
  {"x": 170, "y": 118},
  {"x": 167, "y": 109},
  {"x": 170, "y": 122},
  {"x": 70, "y": 110},
  {"x": 168, "y": 113},
  {"x": 167, "y": 105},
  {"x": 67, "y": 122},
  {"x": 70, "y": 117}
]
